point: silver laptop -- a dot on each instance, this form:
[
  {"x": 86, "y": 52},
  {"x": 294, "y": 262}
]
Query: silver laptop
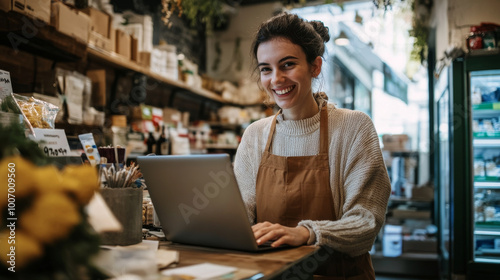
[{"x": 198, "y": 201}]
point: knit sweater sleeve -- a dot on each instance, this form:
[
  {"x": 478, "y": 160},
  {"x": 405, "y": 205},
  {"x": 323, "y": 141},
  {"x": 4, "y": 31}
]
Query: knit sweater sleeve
[{"x": 365, "y": 190}]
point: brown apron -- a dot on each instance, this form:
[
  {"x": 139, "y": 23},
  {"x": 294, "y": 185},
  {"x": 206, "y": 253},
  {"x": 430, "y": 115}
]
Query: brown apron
[{"x": 292, "y": 189}]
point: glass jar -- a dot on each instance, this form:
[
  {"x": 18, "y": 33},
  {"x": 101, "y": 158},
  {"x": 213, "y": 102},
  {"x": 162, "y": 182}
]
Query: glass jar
[
  {"x": 474, "y": 41},
  {"x": 489, "y": 40}
]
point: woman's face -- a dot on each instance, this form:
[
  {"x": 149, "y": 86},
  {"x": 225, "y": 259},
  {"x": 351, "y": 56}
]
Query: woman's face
[{"x": 285, "y": 73}]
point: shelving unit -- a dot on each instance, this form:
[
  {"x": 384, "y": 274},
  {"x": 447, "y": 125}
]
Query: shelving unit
[
  {"x": 486, "y": 179},
  {"x": 410, "y": 213},
  {"x": 47, "y": 42},
  {"x": 487, "y": 185},
  {"x": 417, "y": 265}
]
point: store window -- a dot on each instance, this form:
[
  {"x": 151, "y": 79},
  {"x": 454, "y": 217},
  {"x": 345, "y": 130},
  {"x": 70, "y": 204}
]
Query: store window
[{"x": 343, "y": 87}]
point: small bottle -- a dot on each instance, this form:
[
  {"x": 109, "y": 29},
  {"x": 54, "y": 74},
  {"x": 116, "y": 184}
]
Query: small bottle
[
  {"x": 161, "y": 143},
  {"x": 150, "y": 143},
  {"x": 475, "y": 39},
  {"x": 165, "y": 147},
  {"x": 476, "y": 97}
]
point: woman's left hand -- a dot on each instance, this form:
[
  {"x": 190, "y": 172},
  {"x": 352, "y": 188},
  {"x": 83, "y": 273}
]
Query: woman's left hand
[{"x": 294, "y": 236}]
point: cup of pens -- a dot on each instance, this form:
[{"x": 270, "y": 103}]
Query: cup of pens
[
  {"x": 123, "y": 195},
  {"x": 114, "y": 155}
]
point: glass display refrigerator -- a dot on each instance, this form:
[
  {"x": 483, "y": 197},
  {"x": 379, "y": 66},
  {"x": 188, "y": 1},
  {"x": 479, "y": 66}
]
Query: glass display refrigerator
[{"x": 467, "y": 156}]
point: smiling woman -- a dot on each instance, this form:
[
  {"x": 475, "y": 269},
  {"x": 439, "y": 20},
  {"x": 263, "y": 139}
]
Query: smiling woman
[
  {"x": 286, "y": 75},
  {"x": 313, "y": 173}
]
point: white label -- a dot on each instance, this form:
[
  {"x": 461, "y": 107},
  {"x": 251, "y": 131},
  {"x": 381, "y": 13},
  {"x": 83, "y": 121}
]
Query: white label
[
  {"x": 53, "y": 142},
  {"x": 5, "y": 84}
]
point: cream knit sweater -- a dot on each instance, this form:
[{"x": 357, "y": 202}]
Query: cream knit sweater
[{"x": 357, "y": 173}]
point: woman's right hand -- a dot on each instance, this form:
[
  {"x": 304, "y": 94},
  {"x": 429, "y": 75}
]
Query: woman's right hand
[{"x": 279, "y": 234}]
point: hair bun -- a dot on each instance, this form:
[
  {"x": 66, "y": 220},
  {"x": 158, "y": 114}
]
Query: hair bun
[{"x": 321, "y": 29}]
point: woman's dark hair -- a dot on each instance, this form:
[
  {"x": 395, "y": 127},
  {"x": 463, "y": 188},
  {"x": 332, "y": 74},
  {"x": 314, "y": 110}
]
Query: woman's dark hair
[{"x": 309, "y": 35}]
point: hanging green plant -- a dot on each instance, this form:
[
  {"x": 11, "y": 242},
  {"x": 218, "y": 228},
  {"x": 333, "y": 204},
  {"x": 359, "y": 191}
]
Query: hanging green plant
[
  {"x": 207, "y": 12},
  {"x": 421, "y": 10},
  {"x": 383, "y": 4},
  {"x": 420, "y": 28}
]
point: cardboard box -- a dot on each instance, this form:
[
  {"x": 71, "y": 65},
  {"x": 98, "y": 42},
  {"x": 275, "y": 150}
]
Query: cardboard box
[
  {"x": 145, "y": 59},
  {"x": 100, "y": 22},
  {"x": 411, "y": 214},
  {"x": 70, "y": 22},
  {"x": 412, "y": 244},
  {"x": 123, "y": 43},
  {"x": 135, "y": 30},
  {"x": 39, "y": 9},
  {"x": 171, "y": 115},
  {"x": 119, "y": 120},
  {"x": 134, "y": 49},
  {"x": 112, "y": 37},
  {"x": 101, "y": 42},
  {"x": 98, "y": 78},
  {"x": 13, "y": 5},
  {"x": 395, "y": 142}
]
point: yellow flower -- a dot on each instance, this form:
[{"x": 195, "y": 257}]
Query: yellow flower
[
  {"x": 51, "y": 217},
  {"x": 23, "y": 246},
  {"x": 48, "y": 179},
  {"x": 17, "y": 178},
  {"x": 81, "y": 181}
]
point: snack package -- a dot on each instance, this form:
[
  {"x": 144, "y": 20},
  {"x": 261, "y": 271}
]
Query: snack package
[{"x": 37, "y": 113}]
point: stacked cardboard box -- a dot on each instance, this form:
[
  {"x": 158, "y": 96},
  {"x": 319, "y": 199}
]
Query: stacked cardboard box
[
  {"x": 70, "y": 21},
  {"x": 39, "y": 9},
  {"x": 101, "y": 33}
]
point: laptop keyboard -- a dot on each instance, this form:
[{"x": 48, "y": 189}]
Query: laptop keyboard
[{"x": 266, "y": 244}]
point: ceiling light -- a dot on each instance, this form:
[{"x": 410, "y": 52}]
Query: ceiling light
[{"x": 342, "y": 39}]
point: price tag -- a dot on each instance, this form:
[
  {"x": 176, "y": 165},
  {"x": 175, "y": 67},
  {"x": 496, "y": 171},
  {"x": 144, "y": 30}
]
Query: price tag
[
  {"x": 5, "y": 84},
  {"x": 53, "y": 142}
]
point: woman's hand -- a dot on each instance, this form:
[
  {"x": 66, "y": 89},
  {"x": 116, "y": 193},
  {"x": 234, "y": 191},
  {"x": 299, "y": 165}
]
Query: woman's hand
[{"x": 294, "y": 236}]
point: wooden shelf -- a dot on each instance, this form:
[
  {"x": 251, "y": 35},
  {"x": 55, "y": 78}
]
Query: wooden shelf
[
  {"x": 414, "y": 264},
  {"x": 44, "y": 40},
  {"x": 122, "y": 62},
  {"x": 119, "y": 61},
  {"x": 406, "y": 199},
  {"x": 409, "y": 256},
  {"x": 486, "y": 143}
]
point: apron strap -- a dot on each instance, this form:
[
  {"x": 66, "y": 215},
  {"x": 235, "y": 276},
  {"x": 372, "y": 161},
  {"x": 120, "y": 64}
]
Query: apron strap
[
  {"x": 271, "y": 133},
  {"x": 323, "y": 130}
]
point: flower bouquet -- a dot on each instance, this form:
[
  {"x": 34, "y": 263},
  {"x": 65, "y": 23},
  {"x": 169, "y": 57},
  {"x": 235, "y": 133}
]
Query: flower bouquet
[{"x": 44, "y": 230}]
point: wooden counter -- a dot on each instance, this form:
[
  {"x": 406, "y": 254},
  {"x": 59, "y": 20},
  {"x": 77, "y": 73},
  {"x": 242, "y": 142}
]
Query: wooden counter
[{"x": 276, "y": 264}]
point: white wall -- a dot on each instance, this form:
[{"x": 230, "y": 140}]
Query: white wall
[
  {"x": 243, "y": 24},
  {"x": 453, "y": 18}
]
